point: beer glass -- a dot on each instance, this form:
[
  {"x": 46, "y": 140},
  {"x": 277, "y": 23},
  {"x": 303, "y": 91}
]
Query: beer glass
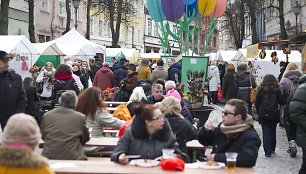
[{"x": 231, "y": 161}]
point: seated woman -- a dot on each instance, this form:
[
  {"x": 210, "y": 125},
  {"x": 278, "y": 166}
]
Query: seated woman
[
  {"x": 149, "y": 134},
  {"x": 181, "y": 128},
  {"x": 91, "y": 104},
  {"x": 20, "y": 137}
]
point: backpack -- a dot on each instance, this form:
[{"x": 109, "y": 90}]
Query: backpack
[
  {"x": 269, "y": 106},
  {"x": 293, "y": 88}
]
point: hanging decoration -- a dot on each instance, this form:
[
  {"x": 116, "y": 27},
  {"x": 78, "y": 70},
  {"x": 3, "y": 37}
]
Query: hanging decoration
[
  {"x": 262, "y": 53},
  {"x": 188, "y": 16},
  {"x": 274, "y": 57}
]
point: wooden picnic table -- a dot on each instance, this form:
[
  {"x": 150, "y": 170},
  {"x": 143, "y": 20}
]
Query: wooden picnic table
[{"x": 104, "y": 166}]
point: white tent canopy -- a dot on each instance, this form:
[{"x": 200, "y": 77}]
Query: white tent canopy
[
  {"x": 21, "y": 46},
  {"x": 154, "y": 56},
  {"x": 47, "y": 49},
  {"x": 225, "y": 56},
  {"x": 72, "y": 44},
  {"x": 130, "y": 54}
]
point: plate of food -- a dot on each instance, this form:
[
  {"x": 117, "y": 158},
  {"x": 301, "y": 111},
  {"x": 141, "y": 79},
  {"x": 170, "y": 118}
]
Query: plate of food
[
  {"x": 212, "y": 165},
  {"x": 144, "y": 163}
]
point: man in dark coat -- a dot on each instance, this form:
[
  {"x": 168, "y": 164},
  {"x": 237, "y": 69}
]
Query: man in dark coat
[
  {"x": 119, "y": 72},
  {"x": 235, "y": 134},
  {"x": 12, "y": 94},
  {"x": 175, "y": 69}
]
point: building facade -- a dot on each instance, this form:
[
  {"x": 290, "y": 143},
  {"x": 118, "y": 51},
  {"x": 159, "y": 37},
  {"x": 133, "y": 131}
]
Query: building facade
[{"x": 18, "y": 18}]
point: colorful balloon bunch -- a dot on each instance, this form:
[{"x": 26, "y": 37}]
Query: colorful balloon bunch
[{"x": 183, "y": 13}]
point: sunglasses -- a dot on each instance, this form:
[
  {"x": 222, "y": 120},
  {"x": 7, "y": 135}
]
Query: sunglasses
[{"x": 225, "y": 113}]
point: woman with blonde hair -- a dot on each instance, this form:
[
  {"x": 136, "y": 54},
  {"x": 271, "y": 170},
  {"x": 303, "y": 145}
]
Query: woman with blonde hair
[
  {"x": 144, "y": 70},
  {"x": 184, "y": 131},
  {"x": 46, "y": 76}
]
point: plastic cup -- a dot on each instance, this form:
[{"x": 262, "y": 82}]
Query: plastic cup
[
  {"x": 231, "y": 158},
  {"x": 168, "y": 153}
]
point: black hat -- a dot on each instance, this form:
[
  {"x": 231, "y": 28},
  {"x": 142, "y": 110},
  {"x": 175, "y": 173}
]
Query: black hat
[
  {"x": 123, "y": 60},
  {"x": 4, "y": 56},
  {"x": 131, "y": 66}
]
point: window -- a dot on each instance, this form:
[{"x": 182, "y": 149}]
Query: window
[
  {"x": 215, "y": 42},
  {"x": 45, "y": 5},
  {"x": 149, "y": 26},
  {"x": 156, "y": 29},
  {"x": 139, "y": 36},
  {"x": 43, "y": 38},
  {"x": 92, "y": 26},
  {"x": 100, "y": 28},
  {"x": 61, "y": 7}
]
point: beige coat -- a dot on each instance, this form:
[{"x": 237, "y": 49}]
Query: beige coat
[
  {"x": 159, "y": 73},
  {"x": 64, "y": 133}
]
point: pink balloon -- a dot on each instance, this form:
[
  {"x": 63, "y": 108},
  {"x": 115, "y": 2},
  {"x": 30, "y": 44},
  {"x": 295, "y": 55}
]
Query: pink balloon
[{"x": 220, "y": 9}]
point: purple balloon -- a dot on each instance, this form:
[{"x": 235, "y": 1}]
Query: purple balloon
[{"x": 173, "y": 9}]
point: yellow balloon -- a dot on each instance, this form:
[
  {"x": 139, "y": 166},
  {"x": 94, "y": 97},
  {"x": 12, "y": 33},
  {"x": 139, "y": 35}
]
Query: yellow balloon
[{"x": 206, "y": 7}]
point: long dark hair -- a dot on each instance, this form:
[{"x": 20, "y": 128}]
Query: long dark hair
[
  {"x": 269, "y": 82},
  {"x": 89, "y": 101}
]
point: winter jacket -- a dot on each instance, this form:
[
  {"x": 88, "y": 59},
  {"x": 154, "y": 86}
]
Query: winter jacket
[
  {"x": 288, "y": 79},
  {"x": 119, "y": 73},
  {"x": 213, "y": 75},
  {"x": 47, "y": 87},
  {"x": 103, "y": 79},
  {"x": 175, "y": 69},
  {"x": 182, "y": 130},
  {"x": 159, "y": 73},
  {"x": 246, "y": 144},
  {"x": 143, "y": 73},
  {"x": 83, "y": 78},
  {"x": 243, "y": 86},
  {"x": 102, "y": 119},
  {"x": 297, "y": 112},
  {"x": 64, "y": 132},
  {"x": 32, "y": 98},
  {"x": 137, "y": 141},
  {"x": 229, "y": 86},
  {"x": 60, "y": 86},
  {"x": 12, "y": 96},
  {"x": 259, "y": 99},
  {"x": 22, "y": 161},
  {"x": 130, "y": 82}
]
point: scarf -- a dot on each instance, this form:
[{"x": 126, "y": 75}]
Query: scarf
[
  {"x": 229, "y": 130},
  {"x": 63, "y": 75}
]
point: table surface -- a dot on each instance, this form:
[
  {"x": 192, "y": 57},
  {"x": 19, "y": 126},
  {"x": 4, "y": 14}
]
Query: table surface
[
  {"x": 112, "y": 142},
  {"x": 103, "y": 167}
]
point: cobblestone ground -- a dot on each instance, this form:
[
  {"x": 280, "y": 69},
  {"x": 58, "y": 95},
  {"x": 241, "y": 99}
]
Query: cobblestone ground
[{"x": 280, "y": 162}]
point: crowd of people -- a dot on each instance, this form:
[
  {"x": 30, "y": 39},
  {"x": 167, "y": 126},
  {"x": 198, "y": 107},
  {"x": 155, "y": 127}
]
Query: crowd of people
[{"x": 161, "y": 116}]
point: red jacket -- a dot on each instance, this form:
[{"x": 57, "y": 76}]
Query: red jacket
[{"x": 103, "y": 78}]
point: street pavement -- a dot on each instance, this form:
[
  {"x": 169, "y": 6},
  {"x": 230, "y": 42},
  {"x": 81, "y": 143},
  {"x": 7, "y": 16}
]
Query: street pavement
[{"x": 280, "y": 162}]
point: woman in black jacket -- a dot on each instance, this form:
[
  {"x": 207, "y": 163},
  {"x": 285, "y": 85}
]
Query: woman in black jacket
[
  {"x": 149, "y": 134},
  {"x": 63, "y": 82},
  {"x": 181, "y": 128},
  {"x": 229, "y": 85},
  {"x": 268, "y": 102}
]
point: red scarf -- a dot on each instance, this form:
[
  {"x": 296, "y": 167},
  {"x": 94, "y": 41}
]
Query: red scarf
[{"x": 63, "y": 75}]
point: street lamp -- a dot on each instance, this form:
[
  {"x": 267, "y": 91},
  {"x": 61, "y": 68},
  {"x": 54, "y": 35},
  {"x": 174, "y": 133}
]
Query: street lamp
[
  {"x": 76, "y": 4},
  {"x": 296, "y": 11}
]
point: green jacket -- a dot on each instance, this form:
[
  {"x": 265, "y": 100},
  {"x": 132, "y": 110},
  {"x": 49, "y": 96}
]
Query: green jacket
[{"x": 297, "y": 112}]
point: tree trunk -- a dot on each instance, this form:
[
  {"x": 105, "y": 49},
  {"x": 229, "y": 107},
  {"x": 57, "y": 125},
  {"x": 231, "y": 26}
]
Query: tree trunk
[
  {"x": 116, "y": 35},
  {"x": 5, "y": 4},
  {"x": 68, "y": 11},
  {"x": 283, "y": 33},
  {"x": 238, "y": 42},
  {"x": 88, "y": 19},
  {"x": 253, "y": 9},
  {"x": 31, "y": 27}
]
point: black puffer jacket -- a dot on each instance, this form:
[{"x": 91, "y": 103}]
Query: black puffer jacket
[
  {"x": 12, "y": 96},
  {"x": 246, "y": 144},
  {"x": 229, "y": 85},
  {"x": 119, "y": 73},
  {"x": 183, "y": 131},
  {"x": 243, "y": 86},
  {"x": 137, "y": 141}
]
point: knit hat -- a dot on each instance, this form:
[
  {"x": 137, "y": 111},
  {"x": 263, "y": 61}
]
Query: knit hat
[
  {"x": 21, "y": 128},
  {"x": 106, "y": 64},
  {"x": 174, "y": 93}
]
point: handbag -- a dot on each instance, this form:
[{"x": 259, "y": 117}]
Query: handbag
[
  {"x": 253, "y": 92},
  {"x": 219, "y": 95},
  {"x": 39, "y": 87}
]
